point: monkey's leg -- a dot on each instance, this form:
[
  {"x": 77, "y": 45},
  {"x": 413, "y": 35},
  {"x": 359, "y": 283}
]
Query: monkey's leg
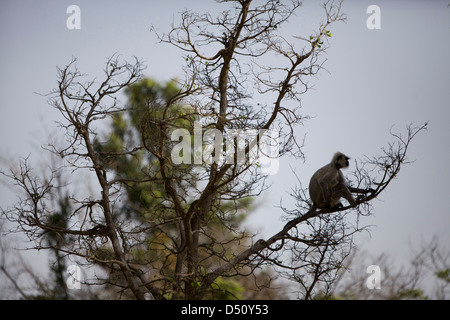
[
  {"x": 341, "y": 190},
  {"x": 349, "y": 197},
  {"x": 339, "y": 205}
]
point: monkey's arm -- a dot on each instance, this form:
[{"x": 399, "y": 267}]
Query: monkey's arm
[
  {"x": 342, "y": 190},
  {"x": 358, "y": 190},
  {"x": 363, "y": 193},
  {"x": 326, "y": 193},
  {"x": 346, "y": 193}
]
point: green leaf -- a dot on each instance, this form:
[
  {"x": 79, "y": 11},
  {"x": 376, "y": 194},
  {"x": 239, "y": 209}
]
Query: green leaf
[{"x": 36, "y": 196}]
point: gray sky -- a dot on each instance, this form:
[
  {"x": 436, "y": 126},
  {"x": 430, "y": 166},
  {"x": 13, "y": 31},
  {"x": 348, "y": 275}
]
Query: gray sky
[{"x": 376, "y": 78}]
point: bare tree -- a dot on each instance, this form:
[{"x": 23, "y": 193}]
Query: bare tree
[
  {"x": 6, "y": 263},
  {"x": 425, "y": 276},
  {"x": 235, "y": 63}
]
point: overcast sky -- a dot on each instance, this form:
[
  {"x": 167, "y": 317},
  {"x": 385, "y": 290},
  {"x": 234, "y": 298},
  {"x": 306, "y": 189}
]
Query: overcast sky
[{"x": 376, "y": 79}]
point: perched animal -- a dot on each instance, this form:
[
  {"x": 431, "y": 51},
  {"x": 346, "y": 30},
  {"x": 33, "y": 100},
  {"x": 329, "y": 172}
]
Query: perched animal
[{"x": 327, "y": 185}]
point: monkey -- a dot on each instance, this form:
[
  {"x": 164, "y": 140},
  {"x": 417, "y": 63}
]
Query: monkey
[{"x": 327, "y": 185}]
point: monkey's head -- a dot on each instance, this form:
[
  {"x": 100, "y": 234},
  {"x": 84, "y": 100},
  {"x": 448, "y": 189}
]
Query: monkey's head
[{"x": 340, "y": 160}]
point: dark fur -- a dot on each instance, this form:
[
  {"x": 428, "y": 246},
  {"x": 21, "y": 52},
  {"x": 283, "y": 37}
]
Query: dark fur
[{"x": 327, "y": 185}]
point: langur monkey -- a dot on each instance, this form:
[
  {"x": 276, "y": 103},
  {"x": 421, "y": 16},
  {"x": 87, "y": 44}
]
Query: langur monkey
[{"x": 327, "y": 185}]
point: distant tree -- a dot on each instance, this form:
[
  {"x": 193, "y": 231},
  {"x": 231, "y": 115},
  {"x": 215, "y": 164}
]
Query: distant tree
[
  {"x": 169, "y": 230},
  {"x": 143, "y": 197},
  {"x": 425, "y": 277}
]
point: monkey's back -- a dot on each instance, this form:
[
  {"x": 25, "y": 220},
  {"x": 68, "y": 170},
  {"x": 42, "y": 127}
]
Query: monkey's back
[{"x": 315, "y": 189}]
